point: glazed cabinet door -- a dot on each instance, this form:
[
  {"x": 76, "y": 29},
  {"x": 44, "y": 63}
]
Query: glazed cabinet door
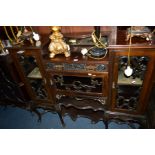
[
  {"x": 29, "y": 65},
  {"x": 130, "y": 93}
]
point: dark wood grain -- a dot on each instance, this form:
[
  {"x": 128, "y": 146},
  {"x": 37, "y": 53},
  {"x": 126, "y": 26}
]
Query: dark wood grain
[{"x": 117, "y": 47}]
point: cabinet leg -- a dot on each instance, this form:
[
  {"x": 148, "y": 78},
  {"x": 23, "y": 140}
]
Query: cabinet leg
[
  {"x": 58, "y": 110},
  {"x": 105, "y": 123},
  {"x": 61, "y": 119}
]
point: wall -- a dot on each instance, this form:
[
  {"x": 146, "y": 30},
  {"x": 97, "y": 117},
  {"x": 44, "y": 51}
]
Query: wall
[{"x": 45, "y": 30}]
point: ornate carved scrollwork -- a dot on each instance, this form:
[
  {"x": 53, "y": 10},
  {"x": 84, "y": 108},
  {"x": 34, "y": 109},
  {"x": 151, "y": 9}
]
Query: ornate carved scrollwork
[
  {"x": 76, "y": 67},
  {"x": 102, "y": 100},
  {"x": 84, "y": 84},
  {"x": 138, "y": 64},
  {"x": 9, "y": 90},
  {"x": 100, "y": 68},
  {"x": 59, "y": 96},
  {"x": 38, "y": 87},
  {"x": 129, "y": 88},
  {"x": 127, "y": 103}
]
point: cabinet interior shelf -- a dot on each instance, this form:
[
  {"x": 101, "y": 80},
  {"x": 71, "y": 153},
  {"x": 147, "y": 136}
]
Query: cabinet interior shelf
[
  {"x": 35, "y": 74},
  {"x": 122, "y": 80}
]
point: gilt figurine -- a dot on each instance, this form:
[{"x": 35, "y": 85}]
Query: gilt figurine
[{"x": 57, "y": 45}]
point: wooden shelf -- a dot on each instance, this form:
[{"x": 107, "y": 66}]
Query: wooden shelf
[
  {"x": 35, "y": 74},
  {"x": 122, "y": 80}
]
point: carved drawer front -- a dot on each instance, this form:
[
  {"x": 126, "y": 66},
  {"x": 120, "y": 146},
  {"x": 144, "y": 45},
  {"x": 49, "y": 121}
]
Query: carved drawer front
[{"x": 76, "y": 67}]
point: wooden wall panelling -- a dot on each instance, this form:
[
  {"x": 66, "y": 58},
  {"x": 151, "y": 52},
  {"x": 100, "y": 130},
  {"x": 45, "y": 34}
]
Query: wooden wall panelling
[{"x": 45, "y": 30}]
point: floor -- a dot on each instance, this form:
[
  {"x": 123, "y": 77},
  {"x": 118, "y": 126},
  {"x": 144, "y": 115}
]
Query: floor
[
  {"x": 12, "y": 117},
  {"x": 17, "y": 118}
]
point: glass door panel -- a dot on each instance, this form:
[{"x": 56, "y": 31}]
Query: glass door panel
[
  {"x": 129, "y": 88},
  {"x": 33, "y": 75}
]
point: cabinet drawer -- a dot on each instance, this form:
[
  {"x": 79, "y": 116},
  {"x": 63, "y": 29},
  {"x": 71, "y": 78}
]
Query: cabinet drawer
[{"x": 74, "y": 67}]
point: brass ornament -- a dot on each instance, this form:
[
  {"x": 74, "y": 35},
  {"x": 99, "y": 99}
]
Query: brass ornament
[
  {"x": 31, "y": 36},
  {"x": 15, "y": 40},
  {"x": 139, "y": 31},
  {"x": 99, "y": 51},
  {"x": 27, "y": 35},
  {"x": 3, "y": 51},
  {"x": 129, "y": 71},
  {"x": 57, "y": 45},
  {"x": 20, "y": 37}
]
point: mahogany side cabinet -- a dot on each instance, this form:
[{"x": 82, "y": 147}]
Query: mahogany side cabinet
[{"x": 84, "y": 83}]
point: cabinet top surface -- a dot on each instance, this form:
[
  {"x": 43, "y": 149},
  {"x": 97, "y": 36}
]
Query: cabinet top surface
[
  {"x": 44, "y": 40},
  {"x": 75, "y": 57}
]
